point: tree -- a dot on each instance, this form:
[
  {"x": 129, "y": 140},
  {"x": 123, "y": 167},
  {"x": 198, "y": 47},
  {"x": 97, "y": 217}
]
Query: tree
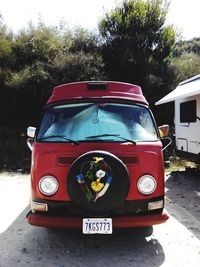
[
  {"x": 186, "y": 59},
  {"x": 42, "y": 58},
  {"x": 36, "y": 44},
  {"x": 83, "y": 40},
  {"x": 5, "y": 51},
  {"x": 187, "y": 65},
  {"x": 187, "y": 46},
  {"x": 6, "y": 58},
  {"x": 137, "y": 45}
]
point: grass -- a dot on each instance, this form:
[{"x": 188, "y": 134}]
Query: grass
[{"x": 178, "y": 164}]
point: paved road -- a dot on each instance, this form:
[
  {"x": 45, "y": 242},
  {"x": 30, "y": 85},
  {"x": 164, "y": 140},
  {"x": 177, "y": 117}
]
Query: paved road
[{"x": 175, "y": 243}]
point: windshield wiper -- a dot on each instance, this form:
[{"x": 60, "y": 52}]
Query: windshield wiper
[
  {"x": 59, "y": 136},
  {"x": 112, "y": 135}
]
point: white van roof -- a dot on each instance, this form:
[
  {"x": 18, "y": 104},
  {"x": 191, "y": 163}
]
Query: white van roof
[{"x": 189, "y": 87}]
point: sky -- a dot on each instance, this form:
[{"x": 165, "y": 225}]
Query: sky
[{"x": 184, "y": 14}]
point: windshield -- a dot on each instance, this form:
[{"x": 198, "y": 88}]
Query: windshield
[{"x": 91, "y": 122}]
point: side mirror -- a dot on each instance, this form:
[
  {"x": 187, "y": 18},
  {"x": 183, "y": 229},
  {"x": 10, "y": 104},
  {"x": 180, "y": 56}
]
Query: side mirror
[
  {"x": 30, "y": 143},
  {"x": 164, "y": 134},
  {"x": 164, "y": 130},
  {"x": 31, "y": 132}
]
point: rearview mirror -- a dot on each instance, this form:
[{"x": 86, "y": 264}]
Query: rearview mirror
[
  {"x": 30, "y": 143},
  {"x": 31, "y": 131},
  {"x": 164, "y": 134},
  {"x": 164, "y": 130}
]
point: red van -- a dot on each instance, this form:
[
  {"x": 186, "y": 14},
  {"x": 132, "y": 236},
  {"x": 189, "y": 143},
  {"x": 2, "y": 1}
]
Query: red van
[{"x": 97, "y": 160}]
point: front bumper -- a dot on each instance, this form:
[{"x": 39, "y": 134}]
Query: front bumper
[{"x": 125, "y": 221}]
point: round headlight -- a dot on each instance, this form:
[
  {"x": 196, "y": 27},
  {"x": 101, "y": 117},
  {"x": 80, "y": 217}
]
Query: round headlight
[
  {"x": 48, "y": 185},
  {"x": 146, "y": 184}
]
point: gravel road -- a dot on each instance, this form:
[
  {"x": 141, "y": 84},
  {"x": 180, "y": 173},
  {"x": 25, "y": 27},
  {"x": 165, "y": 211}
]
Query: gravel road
[{"x": 175, "y": 243}]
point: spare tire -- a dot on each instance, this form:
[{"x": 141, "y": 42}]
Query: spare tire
[{"x": 98, "y": 182}]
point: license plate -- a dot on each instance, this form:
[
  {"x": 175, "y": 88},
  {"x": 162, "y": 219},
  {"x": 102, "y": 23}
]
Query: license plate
[{"x": 97, "y": 226}]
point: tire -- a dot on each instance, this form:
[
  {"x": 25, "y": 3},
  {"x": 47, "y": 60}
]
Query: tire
[{"x": 98, "y": 182}]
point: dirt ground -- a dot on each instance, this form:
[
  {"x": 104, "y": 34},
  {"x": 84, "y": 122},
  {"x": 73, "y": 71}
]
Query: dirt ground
[{"x": 175, "y": 243}]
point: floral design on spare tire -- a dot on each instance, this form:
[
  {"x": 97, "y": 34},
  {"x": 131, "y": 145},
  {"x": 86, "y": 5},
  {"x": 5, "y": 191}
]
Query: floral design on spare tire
[
  {"x": 95, "y": 178},
  {"x": 97, "y": 183}
]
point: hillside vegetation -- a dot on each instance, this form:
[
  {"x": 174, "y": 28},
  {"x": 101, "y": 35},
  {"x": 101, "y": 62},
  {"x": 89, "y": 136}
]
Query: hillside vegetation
[{"x": 133, "y": 45}]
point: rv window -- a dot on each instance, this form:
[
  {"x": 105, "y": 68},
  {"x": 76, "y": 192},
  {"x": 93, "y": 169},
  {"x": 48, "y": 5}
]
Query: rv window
[{"x": 188, "y": 111}]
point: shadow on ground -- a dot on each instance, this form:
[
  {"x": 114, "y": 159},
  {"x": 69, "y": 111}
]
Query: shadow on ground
[
  {"x": 183, "y": 198},
  {"x": 22, "y": 245}
]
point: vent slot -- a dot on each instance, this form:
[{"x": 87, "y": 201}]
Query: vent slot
[
  {"x": 63, "y": 160},
  {"x": 97, "y": 86},
  {"x": 130, "y": 160}
]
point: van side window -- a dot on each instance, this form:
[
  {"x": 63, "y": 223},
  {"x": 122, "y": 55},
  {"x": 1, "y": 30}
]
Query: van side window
[{"x": 188, "y": 111}]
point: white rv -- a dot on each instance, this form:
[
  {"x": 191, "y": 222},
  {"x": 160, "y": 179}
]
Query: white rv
[{"x": 187, "y": 118}]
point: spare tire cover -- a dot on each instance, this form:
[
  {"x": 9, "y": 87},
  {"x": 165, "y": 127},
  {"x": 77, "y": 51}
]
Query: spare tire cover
[{"x": 98, "y": 182}]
